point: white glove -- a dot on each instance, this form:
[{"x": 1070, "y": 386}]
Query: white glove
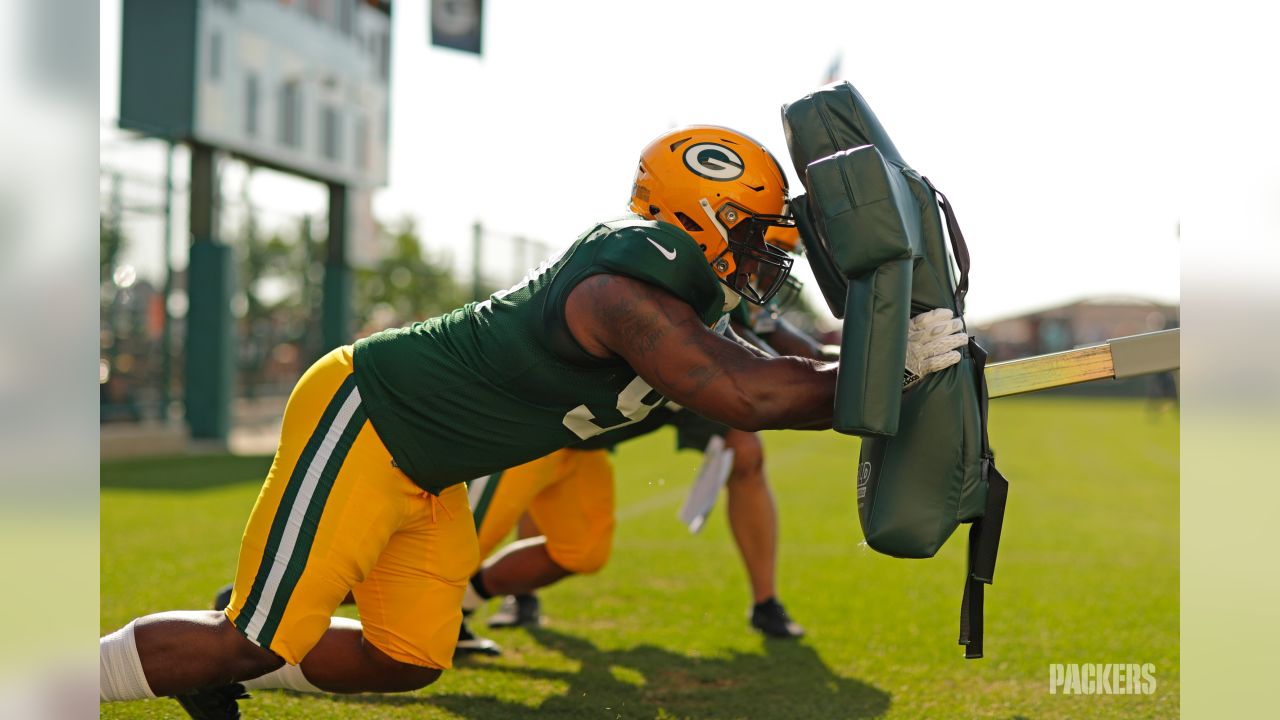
[{"x": 933, "y": 339}]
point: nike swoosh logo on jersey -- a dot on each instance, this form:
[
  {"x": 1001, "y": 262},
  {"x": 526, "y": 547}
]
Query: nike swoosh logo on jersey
[{"x": 668, "y": 254}]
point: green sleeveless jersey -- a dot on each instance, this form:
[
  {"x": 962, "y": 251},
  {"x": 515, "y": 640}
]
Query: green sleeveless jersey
[{"x": 501, "y": 382}]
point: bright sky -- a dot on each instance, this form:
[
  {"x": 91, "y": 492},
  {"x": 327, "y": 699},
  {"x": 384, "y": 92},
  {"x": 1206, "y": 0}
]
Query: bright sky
[{"x": 1049, "y": 130}]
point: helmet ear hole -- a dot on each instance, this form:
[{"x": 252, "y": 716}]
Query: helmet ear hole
[{"x": 688, "y": 222}]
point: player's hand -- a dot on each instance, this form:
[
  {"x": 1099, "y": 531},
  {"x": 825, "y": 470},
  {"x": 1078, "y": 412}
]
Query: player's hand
[{"x": 933, "y": 342}]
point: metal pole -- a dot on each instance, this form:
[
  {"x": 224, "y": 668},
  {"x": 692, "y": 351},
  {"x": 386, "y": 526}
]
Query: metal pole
[
  {"x": 115, "y": 213},
  {"x": 335, "y": 311},
  {"x": 209, "y": 355},
  {"x": 307, "y": 343},
  {"x": 117, "y": 202},
  {"x": 166, "y": 336}
]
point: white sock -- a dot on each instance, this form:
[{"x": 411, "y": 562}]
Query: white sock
[
  {"x": 291, "y": 677},
  {"x": 287, "y": 677},
  {"x": 120, "y": 674}
]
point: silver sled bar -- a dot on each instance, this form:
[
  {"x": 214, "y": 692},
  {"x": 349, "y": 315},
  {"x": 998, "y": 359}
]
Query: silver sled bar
[{"x": 1119, "y": 358}]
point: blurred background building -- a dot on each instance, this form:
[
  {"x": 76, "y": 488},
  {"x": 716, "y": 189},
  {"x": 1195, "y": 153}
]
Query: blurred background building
[{"x": 1085, "y": 322}]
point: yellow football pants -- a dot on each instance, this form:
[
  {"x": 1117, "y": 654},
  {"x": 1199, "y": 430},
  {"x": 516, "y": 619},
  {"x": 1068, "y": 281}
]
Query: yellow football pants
[
  {"x": 568, "y": 493},
  {"x": 335, "y": 515}
]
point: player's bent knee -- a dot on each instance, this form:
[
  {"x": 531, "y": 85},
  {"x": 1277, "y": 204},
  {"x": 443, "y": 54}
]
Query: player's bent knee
[
  {"x": 748, "y": 456},
  {"x": 406, "y": 678},
  {"x": 241, "y": 657},
  {"x": 589, "y": 565},
  {"x": 399, "y": 676},
  {"x": 583, "y": 560}
]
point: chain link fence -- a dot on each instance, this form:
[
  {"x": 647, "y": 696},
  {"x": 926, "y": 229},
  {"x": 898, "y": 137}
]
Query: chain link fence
[{"x": 279, "y": 273}]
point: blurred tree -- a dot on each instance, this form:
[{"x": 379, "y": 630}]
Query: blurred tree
[
  {"x": 271, "y": 305},
  {"x": 111, "y": 242},
  {"x": 406, "y": 284},
  {"x": 280, "y": 277}
]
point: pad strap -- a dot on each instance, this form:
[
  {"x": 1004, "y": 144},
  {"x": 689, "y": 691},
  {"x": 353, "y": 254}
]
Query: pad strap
[
  {"x": 984, "y": 533},
  {"x": 971, "y": 602},
  {"x": 959, "y": 247}
]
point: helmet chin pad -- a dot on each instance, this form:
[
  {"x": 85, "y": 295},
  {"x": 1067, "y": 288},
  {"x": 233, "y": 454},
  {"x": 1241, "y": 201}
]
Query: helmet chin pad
[{"x": 731, "y": 297}]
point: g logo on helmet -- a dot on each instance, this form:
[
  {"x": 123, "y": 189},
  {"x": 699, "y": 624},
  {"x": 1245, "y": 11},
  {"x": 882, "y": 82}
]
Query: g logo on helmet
[{"x": 713, "y": 161}]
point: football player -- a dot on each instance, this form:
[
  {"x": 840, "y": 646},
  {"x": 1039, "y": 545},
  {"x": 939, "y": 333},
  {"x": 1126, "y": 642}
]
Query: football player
[
  {"x": 563, "y": 505},
  {"x": 571, "y": 493},
  {"x": 367, "y": 492}
]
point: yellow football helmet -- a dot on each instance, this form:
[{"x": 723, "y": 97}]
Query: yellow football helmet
[
  {"x": 728, "y": 192},
  {"x": 785, "y": 237}
]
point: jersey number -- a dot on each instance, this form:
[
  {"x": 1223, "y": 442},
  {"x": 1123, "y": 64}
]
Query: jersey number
[{"x": 634, "y": 403}]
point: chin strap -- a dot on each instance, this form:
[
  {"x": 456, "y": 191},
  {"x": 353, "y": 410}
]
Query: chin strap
[
  {"x": 731, "y": 296},
  {"x": 715, "y": 221}
]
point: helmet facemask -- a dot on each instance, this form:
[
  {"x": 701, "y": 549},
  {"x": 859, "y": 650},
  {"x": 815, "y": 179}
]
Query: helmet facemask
[{"x": 750, "y": 266}]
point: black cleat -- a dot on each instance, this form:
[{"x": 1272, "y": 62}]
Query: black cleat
[
  {"x": 469, "y": 644},
  {"x": 771, "y": 619},
  {"x": 517, "y": 611},
  {"x": 214, "y": 703},
  {"x": 223, "y": 598}
]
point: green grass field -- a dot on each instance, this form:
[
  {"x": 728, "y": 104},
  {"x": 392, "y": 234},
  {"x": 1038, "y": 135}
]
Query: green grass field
[{"x": 1088, "y": 573}]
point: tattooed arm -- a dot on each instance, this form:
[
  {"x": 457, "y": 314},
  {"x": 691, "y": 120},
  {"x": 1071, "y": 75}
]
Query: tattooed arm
[{"x": 664, "y": 341}]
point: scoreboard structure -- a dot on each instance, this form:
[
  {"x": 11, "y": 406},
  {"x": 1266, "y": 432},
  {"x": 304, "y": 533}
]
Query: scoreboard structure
[{"x": 300, "y": 86}]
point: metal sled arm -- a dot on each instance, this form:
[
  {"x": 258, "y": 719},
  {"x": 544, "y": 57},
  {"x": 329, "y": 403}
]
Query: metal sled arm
[{"x": 1119, "y": 358}]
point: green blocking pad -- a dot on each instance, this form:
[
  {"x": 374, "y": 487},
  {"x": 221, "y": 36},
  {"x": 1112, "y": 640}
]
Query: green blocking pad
[
  {"x": 866, "y": 217},
  {"x": 881, "y": 223},
  {"x": 911, "y": 502},
  {"x": 865, "y": 204},
  {"x": 833, "y": 285},
  {"x": 832, "y": 119},
  {"x": 872, "y": 348},
  {"x": 925, "y": 466}
]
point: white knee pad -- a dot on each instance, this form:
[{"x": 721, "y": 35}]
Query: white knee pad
[{"x": 120, "y": 675}]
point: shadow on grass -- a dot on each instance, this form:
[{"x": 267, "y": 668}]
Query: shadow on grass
[
  {"x": 198, "y": 472},
  {"x": 789, "y": 681}
]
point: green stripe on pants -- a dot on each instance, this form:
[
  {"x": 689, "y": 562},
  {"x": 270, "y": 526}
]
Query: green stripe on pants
[
  {"x": 482, "y": 506},
  {"x": 287, "y": 502}
]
